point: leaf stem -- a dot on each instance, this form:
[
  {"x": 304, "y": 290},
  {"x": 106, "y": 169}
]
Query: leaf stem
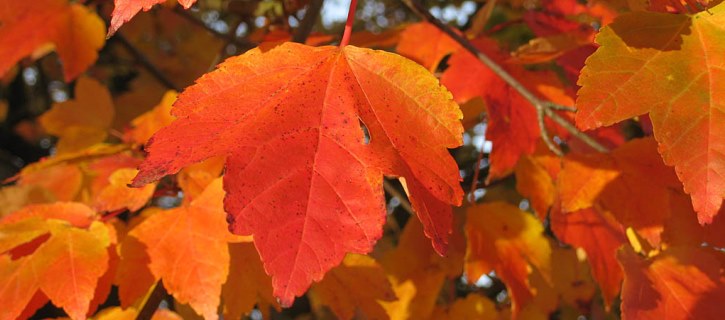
[
  {"x": 348, "y": 25},
  {"x": 543, "y": 108}
]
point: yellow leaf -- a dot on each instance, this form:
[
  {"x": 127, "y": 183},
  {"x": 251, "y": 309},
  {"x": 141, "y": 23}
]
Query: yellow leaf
[{"x": 504, "y": 239}]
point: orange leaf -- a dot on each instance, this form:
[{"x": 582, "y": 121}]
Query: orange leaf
[
  {"x": 13, "y": 234},
  {"x": 62, "y": 181},
  {"x": 681, "y": 283},
  {"x": 297, "y": 153},
  {"x": 247, "y": 283},
  {"x": 424, "y": 43},
  {"x": 355, "y": 285},
  {"x": 145, "y": 125},
  {"x": 534, "y": 179},
  {"x": 625, "y": 183},
  {"x": 66, "y": 268},
  {"x": 133, "y": 278},
  {"x": 385, "y": 39},
  {"x": 81, "y": 122},
  {"x": 600, "y": 236},
  {"x": 512, "y": 124},
  {"x": 674, "y": 74},
  {"x": 473, "y": 306},
  {"x": 417, "y": 273},
  {"x": 117, "y": 195},
  {"x": 504, "y": 239},
  {"x": 100, "y": 170},
  {"x": 545, "y": 49},
  {"x": 124, "y": 10},
  {"x": 77, "y": 214},
  {"x": 572, "y": 277},
  {"x": 195, "y": 178},
  {"x": 188, "y": 250},
  {"x": 75, "y": 30}
]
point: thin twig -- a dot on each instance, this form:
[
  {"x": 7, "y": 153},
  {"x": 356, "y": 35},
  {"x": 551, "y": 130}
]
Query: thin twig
[
  {"x": 390, "y": 189},
  {"x": 146, "y": 62},
  {"x": 474, "y": 182},
  {"x": 311, "y": 15},
  {"x": 243, "y": 44},
  {"x": 543, "y": 108},
  {"x": 568, "y": 126},
  {"x": 540, "y": 115},
  {"x": 152, "y": 303},
  {"x": 559, "y": 107}
]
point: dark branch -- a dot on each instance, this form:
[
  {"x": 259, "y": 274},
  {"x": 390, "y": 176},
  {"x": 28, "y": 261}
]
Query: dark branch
[
  {"x": 244, "y": 45},
  {"x": 143, "y": 60},
  {"x": 311, "y": 15},
  {"x": 543, "y": 108},
  {"x": 152, "y": 303}
]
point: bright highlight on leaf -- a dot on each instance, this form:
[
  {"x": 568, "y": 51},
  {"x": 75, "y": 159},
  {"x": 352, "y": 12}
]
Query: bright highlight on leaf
[
  {"x": 308, "y": 134},
  {"x": 676, "y": 75}
]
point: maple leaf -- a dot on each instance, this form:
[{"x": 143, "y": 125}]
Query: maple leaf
[
  {"x": 63, "y": 181},
  {"x": 77, "y": 214},
  {"x": 187, "y": 248},
  {"x": 356, "y": 284},
  {"x": 133, "y": 277},
  {"x": 196, "y": 177},
  {"x": 385, "y": 39},
  {"x": 504, "y": 239},
  {"x": 534, "y": 179},
  {"x": 571, "y": 277},
  {"x": 512, "y": 123},
  {"x": 474, "y": 306},
  {"x": 79, "y": 255},
  {"x": 428, "y": 53},
  {"x": 247, "y": 285},
  {"x": 674, "y": 75},
  {"x": 145, "y": 125},
  {"x": 680, "y": 283},
  {"x": 117, "y": 195},
  {"x": 118, "y": 313},
  {"x": 289, "y": 122},
  {"x": 100, "y": 170},
  {"x": 545, "y": 49},
  {"x": 82, "y": 122},
  {"x": 75, "y": 30},
  {"x": 624, "y": 182},
  {"x": 181, "y": 50},
  {"x": 124, "y": 10},
  {"x": 600, "y": 235},
  {"x": 417, "y": 273}
]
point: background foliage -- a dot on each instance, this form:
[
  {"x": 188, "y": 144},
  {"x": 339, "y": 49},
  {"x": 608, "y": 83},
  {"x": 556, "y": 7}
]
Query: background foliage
[{"x": 592, "y": 160}]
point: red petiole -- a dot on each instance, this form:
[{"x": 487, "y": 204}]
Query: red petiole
[{"x": 348, "y": 25}]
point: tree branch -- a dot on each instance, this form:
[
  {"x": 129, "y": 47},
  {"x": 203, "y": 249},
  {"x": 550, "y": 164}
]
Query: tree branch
[
  {"x": 146, "y": 62},
  {"x": 153, "y": 301},
  {"x": 229, "y": 37},
  {"x": 543, "y": 108},
  {"x": 311, "y": 15},
  {"x": 390, "y": 189}
]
